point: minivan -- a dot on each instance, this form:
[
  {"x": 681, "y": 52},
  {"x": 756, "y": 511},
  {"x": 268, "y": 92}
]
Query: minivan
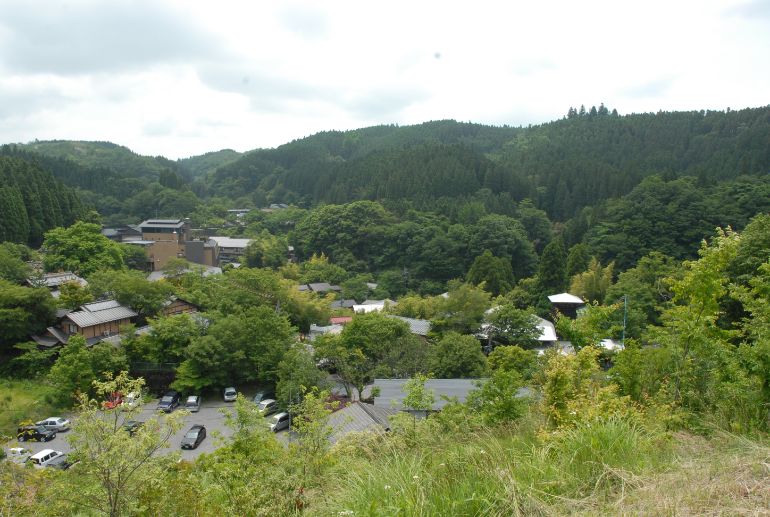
[
  {"x": 280, "y": 421},
  {"x": 193, "y": 403},
  {"x": 47, "y": 458}
]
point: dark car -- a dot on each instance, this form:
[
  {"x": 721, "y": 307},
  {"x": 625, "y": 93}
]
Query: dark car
[
  {"x": 194, "y": 437},
  {"x": 36, "y": 433},
  {"x": 132, "y": 426},
  {"x": 168, "y": 402}
]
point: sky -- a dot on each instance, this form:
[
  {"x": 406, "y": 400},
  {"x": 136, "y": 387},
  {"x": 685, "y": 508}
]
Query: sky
[{"x": 182, "y": 78}]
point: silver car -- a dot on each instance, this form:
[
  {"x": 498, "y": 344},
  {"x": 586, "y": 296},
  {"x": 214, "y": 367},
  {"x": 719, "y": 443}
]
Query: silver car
[
  {"x": 280, "y": 421},
  {"x": 55, "y": 423},
  {"x": 230, "y": 394},
  {"x": 193, "y": 403}
]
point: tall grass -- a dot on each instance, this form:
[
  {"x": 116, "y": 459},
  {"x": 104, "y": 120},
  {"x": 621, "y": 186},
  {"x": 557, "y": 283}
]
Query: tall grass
[
  {"x": 22, "y": 400},
  {"x": 498, "y": 474}
]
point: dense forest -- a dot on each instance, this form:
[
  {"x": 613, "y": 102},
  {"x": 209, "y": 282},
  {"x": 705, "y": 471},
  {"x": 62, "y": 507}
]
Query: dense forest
[{"x": 32, "y": 202}]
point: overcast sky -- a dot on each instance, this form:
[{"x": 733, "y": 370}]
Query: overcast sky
[{"x": 184, "y": 78}]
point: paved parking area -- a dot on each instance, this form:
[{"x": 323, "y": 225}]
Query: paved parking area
[{"x": 210, "y": 415}]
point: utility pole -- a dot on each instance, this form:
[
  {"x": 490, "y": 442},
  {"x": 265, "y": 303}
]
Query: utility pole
[{"x": 625, "y": 317}]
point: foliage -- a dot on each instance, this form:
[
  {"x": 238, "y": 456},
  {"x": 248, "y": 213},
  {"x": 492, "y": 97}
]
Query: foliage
[
  {"x": 167, "y": 340},
  {"x": 418, "y": 397},
  {"x": 455, "y": 357},
  {"x": 132, "y": 289},
  {"x": 266, "y": 250},
  {"x": 297, "y": 374},
  {"x": 77, "y": 368},
  {"x": 592, "y": 284},
  {"x": 73, "y": 295},
  {"x": 552, "y": 269},
  {"x": 513, "y": 358},
  {"x": 311, "y": 423},
  {"x": 513, "y": 326},
  {"x": 462, "y": 310},
  {"x": 23, "y": 311},
  {"x": 594, "y": 323},
  {"x": 81, "y": 248},
  {"x": 12, "y": 267},
  {"x": 493, "y": 274},
  {"x": 499, "y": 399},
  {"x": 24, "y": 399},
  {"x": 113, "y": 466}
]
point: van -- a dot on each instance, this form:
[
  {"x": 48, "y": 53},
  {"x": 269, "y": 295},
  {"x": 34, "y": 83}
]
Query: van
[{"x": 47, "y": 458}]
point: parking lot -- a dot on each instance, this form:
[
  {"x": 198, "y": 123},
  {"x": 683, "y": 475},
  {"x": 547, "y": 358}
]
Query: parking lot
[{"x": 210, "y": 415}]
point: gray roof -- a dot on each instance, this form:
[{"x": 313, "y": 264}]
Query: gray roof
[
  {"x": 322, "y": 287},
  {"x": 205, "y": 271},
  {"x": 419, "y": 327},
  {"x": 162, "y": 223},
  {"x": 100, "y": 312},
  {"x": 359, "y": 417},
  {"x": 392, "y": 393},
  {"x": 343, "y": 304},
  {"x": 57, "y": 279}
]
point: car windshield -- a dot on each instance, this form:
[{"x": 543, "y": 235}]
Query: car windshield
[
  {"x": 41, "y": 429},
  {"x": 167, "y": 398},
  {"x": 192, "y": 400},
  {"x": 191, "y": 434},
  {"x": 264, "y": 403},
  {"x": 229, "y": 392}
]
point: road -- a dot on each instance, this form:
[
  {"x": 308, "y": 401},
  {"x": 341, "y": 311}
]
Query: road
[{"x": 210, "y": 415}]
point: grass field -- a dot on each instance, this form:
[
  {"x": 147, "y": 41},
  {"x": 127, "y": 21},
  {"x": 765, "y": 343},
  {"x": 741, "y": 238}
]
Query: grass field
[{"x": 24, "y": 400}]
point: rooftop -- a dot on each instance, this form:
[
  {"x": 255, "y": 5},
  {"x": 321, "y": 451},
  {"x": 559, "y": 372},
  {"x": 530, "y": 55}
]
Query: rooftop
[
  {"x": 229, "y": 242},
  {"x": 56, "y": 279},
  {"x": 162, "y": 223},
  {"x": 566, "y": 298},
  {"x": 419, "y": 327},
  {"x": 392, "y": 393},
  {"x": 96, "y": 313},
  {"x": 359, "y": 417}
]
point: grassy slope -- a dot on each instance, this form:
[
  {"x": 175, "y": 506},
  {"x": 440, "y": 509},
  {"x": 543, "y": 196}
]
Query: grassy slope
[
  {"x": 23, "y": 400},
  {"x": 612, "y": 468}
]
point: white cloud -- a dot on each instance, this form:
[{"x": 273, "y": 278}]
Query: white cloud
[{"x": 179, "y": 78}]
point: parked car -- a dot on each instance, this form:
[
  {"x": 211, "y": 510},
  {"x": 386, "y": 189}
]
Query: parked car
[
  {"x": 18, "y": 454},
  {"x": 194, "y": 437},
  {"x": 267, "y": 407},
  {"x": 132, "y": 426},
  {"x": 36, "y": 433},
  {"x": 262, "y": 395},
  {"x": 168, "y": 402},
  {"x": 230, "y": 394},
  {"x": 193, "y": 403},
  {"x": 47, "y": 458},
  {"x": 55, "y": 423},
  {"x": 133, "y": 399},
  {"x": 280, "y": 421}
]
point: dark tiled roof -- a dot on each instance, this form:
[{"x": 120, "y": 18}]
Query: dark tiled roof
[
  {"x": 358, "y": 417},
  {"x": 418, "y": 327}
]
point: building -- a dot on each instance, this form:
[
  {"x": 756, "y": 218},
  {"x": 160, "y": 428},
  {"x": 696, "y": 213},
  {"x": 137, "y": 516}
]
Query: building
[
  {"x": 372, "y": 305},
  {"x": 567, "y": 304},
  {"x": 392, "y": 392},
  {"x": 416, "y": 326},
  {"x": 227, "y": 249},
  {"x": 163, "y": 240},
  {"x": 54, "y": 281},
  {"x": 359, "y": 417},
  {"x": 93, "y": 321},
  {"x": 125, "y": 233},
  {"x": 175, "y": 305}
]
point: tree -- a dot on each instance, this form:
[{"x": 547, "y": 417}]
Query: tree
[
  {"x": 12, "y": 267},
  {"x": 595, "y": 323},
  {"x": 167, "y": 340},
  {"x": 311, "y": 423},
  {"x": 73, "y": 295},
  {"x": 418, "y": 397},
  {"x": 81, "y": 248},
  {"x": 514, "y": 326},
  {"x": 513, "y": 358},
  {"x": 349, "y": 361},
  {"x": 456, "y": 356},
  {"x": 267, "y": 250},
  {"x": 592, "y": 285},
  {"x": 499, "y": 398},
  {"x": 504, "y": 237},
  {"x": 23, "y": 311},
  {"x": 494, "y": 274},
  {"x": 131, "y": 288},
  {"x": 577, "y": 260},
  {"x": 297, "y": 374},
  {"x": 552, "y": 271},
  {"x": 77, "y": 367},
  {"x": 114, "y": 467},
  {"x": 462, "y": 310}
]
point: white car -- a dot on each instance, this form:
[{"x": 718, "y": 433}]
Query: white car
[
  {"x": 230, "y": 394},
  {"x": 55, "y": 423},
  {"x": 133, "y": 399},
  {"x": 18, "y": 454},
  {"x": 280, "y": 421},
  {"x": 47, "y": 458}
]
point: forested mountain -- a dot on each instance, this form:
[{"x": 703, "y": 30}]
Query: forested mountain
[
  {"x": 562, "y": 166},
  {"x": 32, "y": 202}
]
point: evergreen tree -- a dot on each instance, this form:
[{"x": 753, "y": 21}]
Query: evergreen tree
[{"x": 552, "y": 272}]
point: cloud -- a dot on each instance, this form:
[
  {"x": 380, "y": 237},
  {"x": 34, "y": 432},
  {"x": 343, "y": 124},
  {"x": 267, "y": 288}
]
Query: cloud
[
  {"x": 752, "y": 10},
  {"x": 87, "y": 37},
  {"x": 655, "y": 88},
  {"x": 305, "y": 20}
]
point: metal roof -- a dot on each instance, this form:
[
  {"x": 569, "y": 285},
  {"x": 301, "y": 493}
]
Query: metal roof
[
  {"x": 162, "y": 223},
  {"x": 547, "y": 330},
  {"x": 56, "y": 279},
  {"x": 565, "y": 298},
  {"x": 359, "y": 417},
  {"x": 229, "y": 242},
  {"x": 392, "y": 393},
  {"x": 419, "y": 327},
  {"x": 100, "y": 312}
]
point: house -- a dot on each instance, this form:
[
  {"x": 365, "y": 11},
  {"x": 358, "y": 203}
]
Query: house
[
  {"x": 372, "y": 305},
  {"x": 93, "y": 321},
  {"x": 392, "y": 391},
  {"x": 125, "y": 233},
  {"x": 53, "y": 281},
  {"x": 316, "y": 330},
  {"x": 359, "y": 417},
  {"x": 228, "y": 249},
  {"x": 176, "y": 305},
  {"x": 567, "y": 304},
  {"x": 343, "y": 304},
  {"x": 163, "y": 240},
  {"x": 416, "y": 326}
]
